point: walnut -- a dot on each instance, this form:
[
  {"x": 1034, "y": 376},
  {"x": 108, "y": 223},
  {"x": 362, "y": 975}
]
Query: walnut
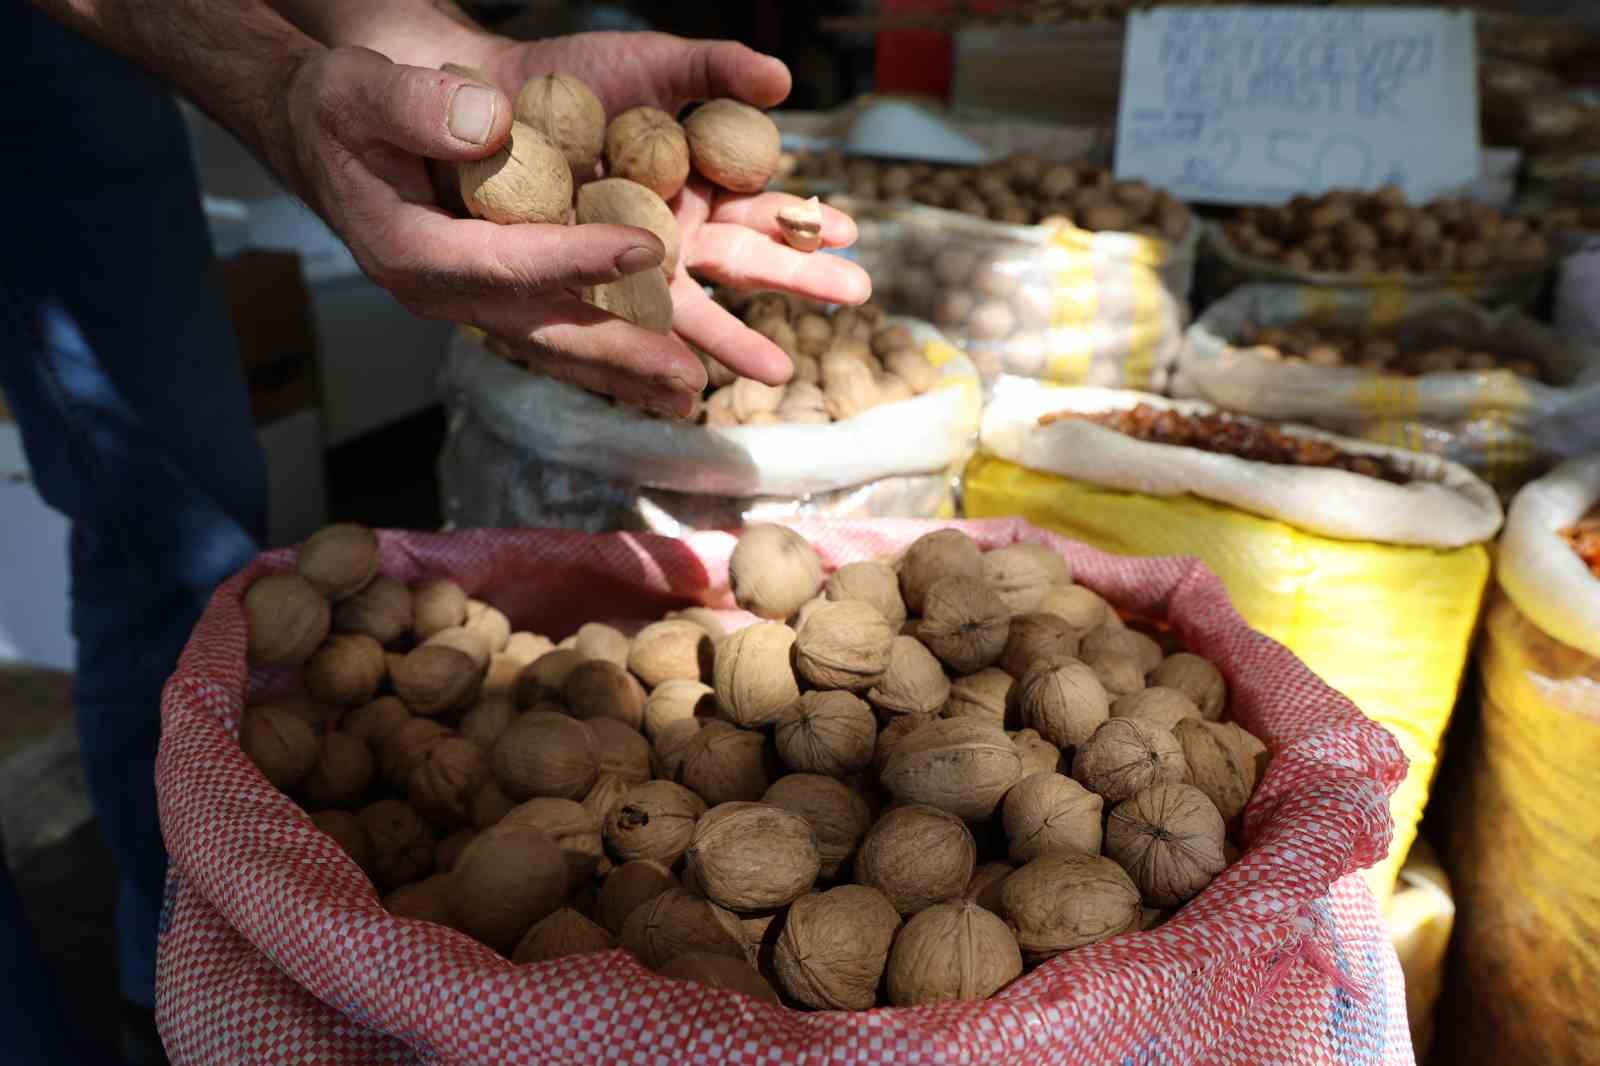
[
  {"x": 1020, "y": 574},
  {"x": 1114, "y": 638},
  {"x": 849, "y": 384},
  {"x": 500, "y": 679},
  {"x": 671, "y": 650},
  {"x": 469, "y": 642},
  {"x": 1169, "y": 839},
  {"x": 573, "y": 828},
  {"x": 508, "y": 879},
  {"x": 427, "y": 900},
  {"x": 1218, "y": 765},
  {"x": 984, "y": 887},
  {"x": 872, "y": 583},
  {"x": 1033, "y": 637},
  {"x": 435, "y": 679},
  {"x": 286, "y": 619},
  {"x": 541, "y": 680},
  {"x": 985, "y": 696},
  {"x": 655, "y": 821},
  {"x": 803, "y": 402},
  {"x": 703, "y": 617},
  {"x": 1048, "y": 812},
  {"x": 720, "y": 971},
  {"x": 1063, "y": 700},
  {"x": 403, "y": 748},
  {"x": 596, "y": 640},
  {"x": 674, "y": 923},
  {"x": 891, "y": 736},
  {"x": 371, "y": 722},
  {"x": 964, "y": 623},
  {"x": 673, "y": 701},
  {"x": 381, "y": 611},
  {"x": 489, "y": 805},
  {"x": 1119, "y": 673},
  {"x": 544, "y": 753},
  {"x": 773, "y": 571},
  {"x": 402, "y": 845},
  {"x": 607, "y": 795},
  {"x": 1126, "y": 755},
  {"x": 834, "y": 947},
  {"x": 956, "y": 764},
  {"x": 347, "y": 831},
  {"x": 557, "y": 935},
  {"x": 1164, "y": 707},
  {"x": 666, "y": 755},
  {"x": 1038, "y": 755},
  {"x": 726, "y": 765},
  {"x": 917, "y": 855},
  {"x": 280, "y": 743},
  {"x": 753, "y": 857},
  {"x": 914, "y": 683},
  {"x": 932, "y": 557},
  {"x": 832, "y": 733},
  {"x": 813, "y": 333},
  {"x": 340, "y": 560},
  {"x": 1063, "y": 900},
  {"x": 445, "y": 779},
  {"x": 648, "y": 146},
  {"x": 602, "y": 689},
  {"x": 436, "y": 605},
  {"x": 951, "y": 950},
  {"x": 489, "y": 622},
  {"x": 450, "y": 847},
  {"x": 624, "y": 752},
  {"x": 626, "y": 888},
  {"x": 753, "y": 676},
  {"x": 342, "y": 775},
  {"x": 913, "y": 368},
  {"x": 1196, "y": 678},
  {"x": 837, "y": 814},
  {"x": 1082, "y": 608},
  {"x": 845, "y": 645},
  {"x": 486, "y": 720}
]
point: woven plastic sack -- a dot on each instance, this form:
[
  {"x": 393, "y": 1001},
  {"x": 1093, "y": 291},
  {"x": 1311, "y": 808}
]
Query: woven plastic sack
[
  {"x": 1064, "y": 305},
  {"x": 1524, "y": 798},
  {"x": 526, "y": 450},
  {"x": 1224, "y": 268},
  {"x": 275, "y": 947},
  {"x": 1375, "y": 586},
  {"x": 1420, "y": 915},
  {"x": 1504, "y": 428}
]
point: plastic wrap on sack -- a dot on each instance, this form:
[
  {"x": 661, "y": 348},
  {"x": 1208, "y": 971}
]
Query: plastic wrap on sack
[
  {"x": 1062, "y": 304},
  {"x": 272, "y": 938},
  {"x": 1401, "y": 583},
  {"x": 524, "y": 449},
  {"x": 1504, "y": 428}
]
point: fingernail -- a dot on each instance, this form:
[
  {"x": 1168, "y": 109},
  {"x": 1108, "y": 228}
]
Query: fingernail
[
  {"x": 637, "y": 259},
  {"x": 472, "y": 113}
]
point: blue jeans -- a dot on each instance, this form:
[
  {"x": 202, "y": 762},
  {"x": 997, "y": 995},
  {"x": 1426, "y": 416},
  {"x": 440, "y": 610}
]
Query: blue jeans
[{"x": 122, "y": 372}]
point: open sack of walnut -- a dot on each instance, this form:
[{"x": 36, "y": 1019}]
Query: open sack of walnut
[
  {"x": 1494, "y": 391},
  {"x": 841, "y": 791},
  {"x": 878, "y": 420},
  {"x": 1356, "y": 556}
]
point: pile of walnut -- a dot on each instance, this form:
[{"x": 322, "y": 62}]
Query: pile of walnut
[
  {"x": 1307, "y": 343},
  {"x": 904, "y": 783},
  {"x": 1022, "y": 190},
  {"x": 1344, "y": 232},
  {"x": 559, "y": 138},
  {"x": 846, "y": 361},
  {"x": 1584, "y": 536}
]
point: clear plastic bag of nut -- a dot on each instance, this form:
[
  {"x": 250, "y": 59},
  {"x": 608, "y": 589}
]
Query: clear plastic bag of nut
[
  {"x": 1051, "y": 300},
  {"x": 1495, "y": 391}
]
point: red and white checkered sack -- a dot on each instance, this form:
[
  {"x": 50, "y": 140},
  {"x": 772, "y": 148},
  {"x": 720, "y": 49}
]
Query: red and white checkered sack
[{"x": 276, "y": 949}]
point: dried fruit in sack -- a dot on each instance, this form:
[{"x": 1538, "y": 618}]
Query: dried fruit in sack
[
  {"x": 381, "y": 611},
  {"x": 917, "y": 855},
  {"x": 831, "y": 733},
  {"x": 509, "y": 878},
  {"x": 984, "y": 696},
  {"x": 436, "y": 606},
  {"x": 280, "y": 743},
  {"x": 1196, "y": 678},
  {"x": 1047, "y": 812},
  {"x": 435, "y": 679},
  {"x": 1221, "y": 762},
  {"x": 1164, "y": 707},
  {"x": 733, "y": 145},
  {"x": 602, "y": 689},
  {"x": 1064, "y": 900},
  {"x": 343, "y": 773},
  {"x": 570, "y": 825},
  {"x": 527, "y": 180},
  {"x": 671, "y": 651},
  {"x": 964, "y": 623},
  {"x": 955, "y": 764},
  {"x": 720, "y": 971},
  {"x": 1033, "y": 637},
  {"x": 571, "y": 117},
  {"x": 544, "y": 753},
  {"x": 1020, "y": 574},
  {"x": 286, "y": 618},
  {"x": 655, "y": 821},
  {"x": 1169, "y": 839},
  {"x": 624, "y": 752},
  {"x": 773, "y": 570},
  {"x": 870, "y": 582},
  {"x": 839, "y": 818},
  {"x": 626, "y": 888},
  {"x": 753, "y": 675},
  {"x": 845, "y": 645},
  {"x": 1125, "y": 756},
  {"x": 933, "y": 557},
  {"x": 1064, "y": 700},
  {"x": 723, "y": 765},
  {"x": 753, "y": 857},
  {"x": 951, "y": 950},
  {"x": 555, "y": 936},
  {"x": 340, "y": 560},
  {"x": 834, "y": 947},
  {"x": 402, "y": 845},
  {"x": 676, "y": 922}
]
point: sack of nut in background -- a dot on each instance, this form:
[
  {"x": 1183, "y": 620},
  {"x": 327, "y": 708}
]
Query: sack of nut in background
[
  {"x": 525, "y": 450},
  {"x": 1054, "y": 302},
  {"x": 1521, "y": 799},
  {"x": 275, "y": 944},
  {"x": 1492, "y": 390},
  {"x": 1375, "y": 584}
]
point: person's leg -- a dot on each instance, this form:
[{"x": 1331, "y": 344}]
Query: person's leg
[
  {"x": 33, "y": 1030},
  {"x": 123, "y": 374}
]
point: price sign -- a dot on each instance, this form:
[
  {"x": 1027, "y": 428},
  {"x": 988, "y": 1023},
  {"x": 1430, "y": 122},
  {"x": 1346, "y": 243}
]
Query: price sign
[{"x": 1255, "y": 105}]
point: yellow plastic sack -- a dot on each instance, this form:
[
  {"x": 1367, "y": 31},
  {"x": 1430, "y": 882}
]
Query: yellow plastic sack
[
  {"x": 1420, "y": 916},
  {"x": 1388, "y": 625}
]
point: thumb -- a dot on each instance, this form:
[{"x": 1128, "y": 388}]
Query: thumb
[{"x": 439, "y": 114}]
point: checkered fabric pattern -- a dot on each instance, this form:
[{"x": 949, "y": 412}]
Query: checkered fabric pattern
[{"x": 276, "y": 949}]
